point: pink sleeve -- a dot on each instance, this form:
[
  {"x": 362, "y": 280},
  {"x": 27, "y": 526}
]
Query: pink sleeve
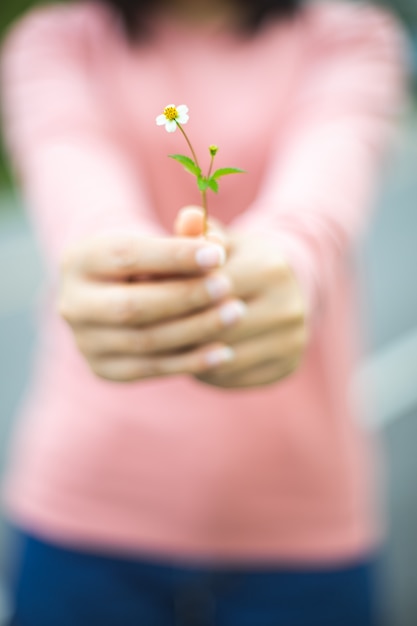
[
  {"x": 320, "y": 184},
  {"x": 75, "y": 170}
]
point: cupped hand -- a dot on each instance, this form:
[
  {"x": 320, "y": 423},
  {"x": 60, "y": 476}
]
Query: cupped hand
[
  {"x": 270, "y": 340},
  {"x": 143, "y": 307}
]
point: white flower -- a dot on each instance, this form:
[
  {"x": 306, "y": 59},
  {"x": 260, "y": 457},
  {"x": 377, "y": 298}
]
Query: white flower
[{"x": 173, "y": 115}]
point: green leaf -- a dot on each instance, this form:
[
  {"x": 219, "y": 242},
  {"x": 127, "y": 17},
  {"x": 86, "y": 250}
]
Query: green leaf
[
  {"x": 188, "y": 163},
  {"x": 213, "y": 185},
  {"x": 225, "y": 171},
  {"x": 202, "y": 183}
]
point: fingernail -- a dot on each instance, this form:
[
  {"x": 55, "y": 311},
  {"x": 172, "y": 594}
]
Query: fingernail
[
  {"x": 233, "y": 311},
  {"x": 210, "y": 256},
  {"x": 218, "y": 286},
  {"x": 219, "y": 356}
]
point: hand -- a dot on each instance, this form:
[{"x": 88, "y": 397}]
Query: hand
[
  {"x": 143, "y": 307},
  {"x": 269, "y": 342}
]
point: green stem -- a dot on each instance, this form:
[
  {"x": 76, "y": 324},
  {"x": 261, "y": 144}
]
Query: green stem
[
  {"x": 211, "y": 165},
  {"x": 205, "y": 211},
  {"x": 189, "y": 144},
  {"x": 203, "y": 193}
]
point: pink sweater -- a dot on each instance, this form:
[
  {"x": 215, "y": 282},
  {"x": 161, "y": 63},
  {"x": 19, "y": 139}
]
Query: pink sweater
[{"x": 171, "y": 466}]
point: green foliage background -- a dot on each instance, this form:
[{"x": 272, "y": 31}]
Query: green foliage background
[{"x": 10, "y": 10}]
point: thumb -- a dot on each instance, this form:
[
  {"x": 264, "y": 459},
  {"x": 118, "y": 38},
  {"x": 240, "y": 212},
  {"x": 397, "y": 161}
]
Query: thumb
[{"x": 190, "y": 223}]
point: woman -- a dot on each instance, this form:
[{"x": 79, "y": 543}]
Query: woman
[{"x": 189, "y": 452}]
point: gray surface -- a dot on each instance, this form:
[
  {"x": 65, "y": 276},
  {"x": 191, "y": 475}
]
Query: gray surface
[
  {"x": 390, "y": 254},
  {"x": 400, "y": 571},
  {"x": 19, "y": 286},
  {"x": 391, "y": 296}
]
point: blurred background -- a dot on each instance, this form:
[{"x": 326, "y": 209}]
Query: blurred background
[{"x": 387, "y": 259}]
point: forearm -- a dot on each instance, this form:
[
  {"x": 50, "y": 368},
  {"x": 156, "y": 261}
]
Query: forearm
[
  {"x": 323, "y": 172},
  {"x": 73, "y": 162},
  {"x": 78, "y": 187}
]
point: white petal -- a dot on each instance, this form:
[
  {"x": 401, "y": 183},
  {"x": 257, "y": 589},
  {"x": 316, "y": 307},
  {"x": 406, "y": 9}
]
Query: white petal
[
  {"x": 171, "y": 126},
  {"x": 182, "y": 108},
  {"x": 161, "y": 119},
  {"x": 183, "y": 119},
  {"x": 168, "y": 106}
]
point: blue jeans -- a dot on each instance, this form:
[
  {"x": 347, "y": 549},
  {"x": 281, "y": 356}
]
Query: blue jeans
[{"x": 55, "y": 586}]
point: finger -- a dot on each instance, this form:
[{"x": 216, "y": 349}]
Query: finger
[
  {"x": 253, "y": 266},
  {"x": 217, "y": 233},
  {"x": 190, "y": 223},
  {"x": 264, "y": 315},
  {"x": 122, "y": 255},
  {"x": 261, "y": 375},
  {"x": 269, "y": 347},
  {"x": 179, "y": 334},
  {"x": 126, "y": 369},
  {"x": 140, "y": 303}
]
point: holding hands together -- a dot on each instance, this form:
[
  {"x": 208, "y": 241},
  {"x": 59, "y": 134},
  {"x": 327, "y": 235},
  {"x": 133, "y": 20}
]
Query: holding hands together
[
  {"x": 270, "y": 339},
  {"x": 226, "y": 309}
]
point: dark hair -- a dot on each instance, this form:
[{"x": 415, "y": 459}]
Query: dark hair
[{"x": 131, "y": 11}]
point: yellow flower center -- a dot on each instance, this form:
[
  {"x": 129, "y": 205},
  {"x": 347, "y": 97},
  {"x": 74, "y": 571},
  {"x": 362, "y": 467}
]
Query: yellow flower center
[{"x": 171, "y": 113}]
